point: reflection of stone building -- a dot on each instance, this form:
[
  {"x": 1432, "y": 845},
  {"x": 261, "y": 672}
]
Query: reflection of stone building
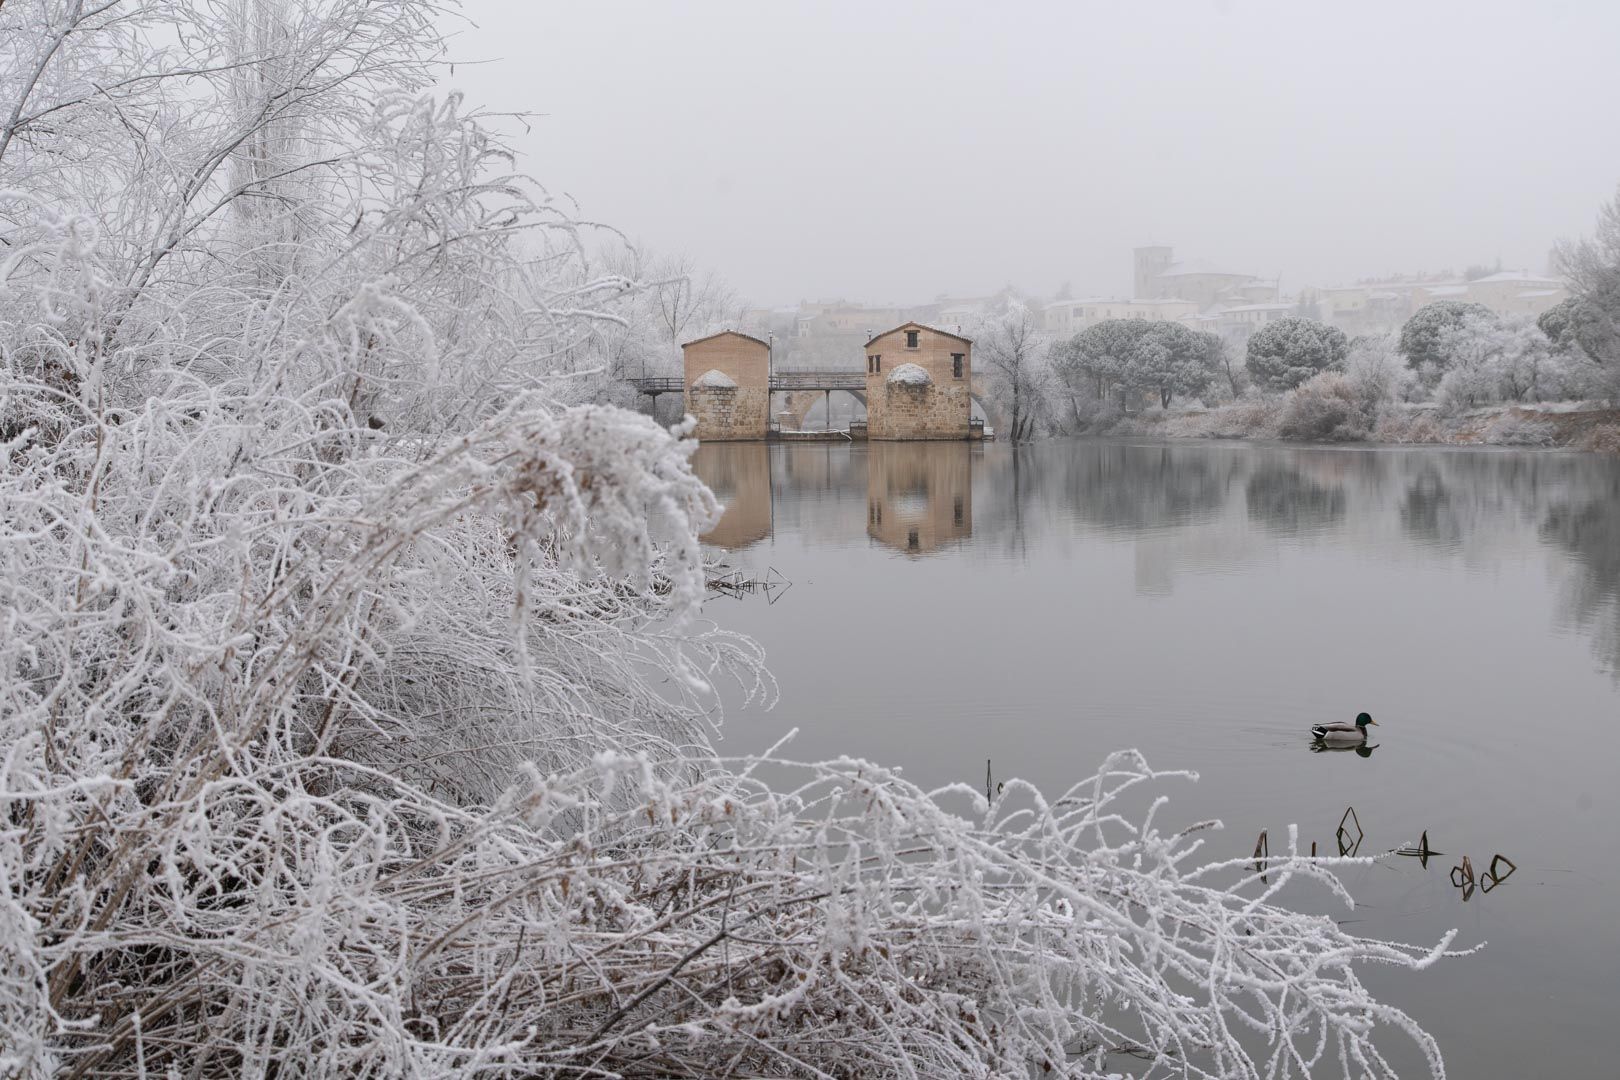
[
  {"x": 727, "y": 380},
  {"x": 919, "y": 498},
  {"x": 918, "y": 384},
  {"x": 740, "y": 476}
]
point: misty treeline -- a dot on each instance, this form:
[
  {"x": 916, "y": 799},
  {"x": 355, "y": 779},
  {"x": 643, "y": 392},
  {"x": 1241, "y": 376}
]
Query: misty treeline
[
  {"x": 1297, "y": 377},
  {"x": 356, "y": 709}
]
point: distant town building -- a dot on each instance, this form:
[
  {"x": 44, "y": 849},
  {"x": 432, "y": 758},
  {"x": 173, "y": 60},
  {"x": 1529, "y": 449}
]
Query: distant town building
[
  {"x": 1205, "y": 284},
  {"x": 1382, "y": 306},
  {"x": 839, "y": 317},
  {"x": 1517, "y": 292},
  {"x": 1068, "y": 317}
]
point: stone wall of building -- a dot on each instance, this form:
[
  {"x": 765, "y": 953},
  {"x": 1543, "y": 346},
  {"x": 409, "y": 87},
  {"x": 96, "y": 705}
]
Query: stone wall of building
[
  {"x": 725, "y": 413},
  {"x": 936, "y": 409},
  {"x": 728, "y": 413}
]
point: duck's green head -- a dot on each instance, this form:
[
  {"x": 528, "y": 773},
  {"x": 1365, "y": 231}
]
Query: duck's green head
[{"x": 1363, "y": 719}]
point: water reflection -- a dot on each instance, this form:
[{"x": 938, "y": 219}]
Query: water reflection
[
  {"x": 1205, "y": 603},
  {"x": 1288, "y": 499},
  {"x": 919, "y": 495},
  {"x": 739, "y": 474},
  {"x": 1190, "y": 509},
  {"x": 1587, "y": 526},
  {"x": 1364, "y": 750}
]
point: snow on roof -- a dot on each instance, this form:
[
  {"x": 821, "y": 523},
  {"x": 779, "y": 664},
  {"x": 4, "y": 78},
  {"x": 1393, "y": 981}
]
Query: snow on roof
[
  {"x": 1261, "y": 307},
  {"x": 1520, "y": 277},
  {"x": 1448, "y": 290},
  {"x": 1540, "y": 292},
  {"x": 1198, "y": 266},
  {"x": 715, "y": 379},
  {"x": 909, "y": 375}
]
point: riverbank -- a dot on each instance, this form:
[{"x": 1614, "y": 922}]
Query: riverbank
[{"x": 1568, "y": 426}]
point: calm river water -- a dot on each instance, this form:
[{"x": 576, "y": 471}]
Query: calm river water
[{"x": 1206, "y": 603}]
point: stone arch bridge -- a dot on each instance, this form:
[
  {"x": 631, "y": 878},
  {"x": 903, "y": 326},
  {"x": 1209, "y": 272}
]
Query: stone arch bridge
[{"x": 801, "y": 391}]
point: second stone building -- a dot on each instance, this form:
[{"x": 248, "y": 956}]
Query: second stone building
[{"x": 918, "y": 382}]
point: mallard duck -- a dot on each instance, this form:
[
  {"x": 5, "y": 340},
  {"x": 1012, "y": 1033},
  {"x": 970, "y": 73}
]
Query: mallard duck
[{"x": 1345, "y": 733}]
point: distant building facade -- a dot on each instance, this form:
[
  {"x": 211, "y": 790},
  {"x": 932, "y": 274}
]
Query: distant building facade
[
  {"x": 1068, "y": 317},
  {"x": 1381, "y": 306},
  {"x": 1158, "y": 276}
]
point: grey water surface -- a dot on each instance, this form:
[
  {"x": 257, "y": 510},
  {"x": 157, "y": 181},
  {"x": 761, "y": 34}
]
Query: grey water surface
[{"x": 1206, "y": 603}]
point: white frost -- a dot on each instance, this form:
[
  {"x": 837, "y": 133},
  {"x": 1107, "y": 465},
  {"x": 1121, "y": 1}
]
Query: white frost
[
  {"x": 715, "y": 379},
  {"x": 910, "y": 375}
]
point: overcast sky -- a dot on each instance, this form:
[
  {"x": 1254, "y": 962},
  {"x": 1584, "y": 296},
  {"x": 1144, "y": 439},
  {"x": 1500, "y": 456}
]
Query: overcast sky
[{"x": 895, "y": 151}]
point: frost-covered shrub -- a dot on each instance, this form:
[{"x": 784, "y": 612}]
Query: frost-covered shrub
[
  {"x": 1325, "y": 408},
  {"x": 1466, "y": 387},
  {"x": 1515, "y": 427},
  {"x": 1096, "y": 414},
  {"x": 1379, "y": 374},
  {"x": 1603, "y": 439},
  {"x": 1409, "y": 424}
]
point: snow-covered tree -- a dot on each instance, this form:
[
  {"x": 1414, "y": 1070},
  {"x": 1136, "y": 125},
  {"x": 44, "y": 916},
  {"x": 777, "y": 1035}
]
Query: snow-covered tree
[
  {"x": 1131, "y": 355},
  {"x": 1010, "y": 352},
  {"x": 1174, "y": 360},
  {"x": 1489, "y": 359},
  {"x": 1421, "y": 335},
  {"x": 1101, "y": 354},
  {"x": 1591, "y": 318},
  {"x": 1288, "y": 351}
]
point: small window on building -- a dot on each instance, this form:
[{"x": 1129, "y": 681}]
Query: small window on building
[
  {"x": 911, "y": 339},
  {"x": 869, "y": 367},
  {"x": 956, "y": 365},
  {"x": 877, "y": 363}
]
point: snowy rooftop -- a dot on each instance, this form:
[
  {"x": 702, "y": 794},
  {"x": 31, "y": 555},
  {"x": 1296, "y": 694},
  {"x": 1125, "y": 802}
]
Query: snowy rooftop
[
  {"x": 1540, "y": 292},
  {"x": 715, "y": 379},
  {"x": 1199, "y": 266},
  {"x": 1520, "y": 277},
  {"x": 909, "y": 375},
  {"x": 1448, "y": 290}
]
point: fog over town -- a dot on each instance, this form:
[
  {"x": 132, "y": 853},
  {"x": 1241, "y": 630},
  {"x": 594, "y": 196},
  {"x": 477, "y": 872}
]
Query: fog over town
[{"x": 890, "y": 153}]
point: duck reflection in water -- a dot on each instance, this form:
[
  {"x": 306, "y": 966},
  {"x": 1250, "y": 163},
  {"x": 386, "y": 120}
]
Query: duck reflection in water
[{"x": 1364, "y": 750}]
